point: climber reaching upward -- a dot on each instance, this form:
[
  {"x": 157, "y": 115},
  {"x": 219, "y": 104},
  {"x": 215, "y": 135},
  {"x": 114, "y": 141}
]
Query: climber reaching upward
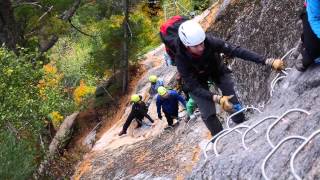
[
  {"x": 198, "y": 61},
  {"x": 138, "y": 111}
]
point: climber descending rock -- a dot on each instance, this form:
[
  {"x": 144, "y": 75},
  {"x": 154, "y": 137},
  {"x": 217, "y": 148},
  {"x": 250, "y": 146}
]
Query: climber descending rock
[
  {"x": 198, "y": 61},
  {"x": 139, "y": 111},
  {"x": 168, "y": 100}
]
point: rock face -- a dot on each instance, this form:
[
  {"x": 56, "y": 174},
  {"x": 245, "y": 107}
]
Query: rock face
[
  {"x": 234, "y": 162},
  {"x": 271, "y": 28}
]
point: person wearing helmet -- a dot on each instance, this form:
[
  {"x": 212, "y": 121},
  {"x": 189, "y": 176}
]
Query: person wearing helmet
[
  {"x": 311, "y": 35},
  {"x": 138, "y": 111},
  {"x": 155, "y": 83},
  {"x": 198, "y": 61},
  {"x": 168, "y": 100}
]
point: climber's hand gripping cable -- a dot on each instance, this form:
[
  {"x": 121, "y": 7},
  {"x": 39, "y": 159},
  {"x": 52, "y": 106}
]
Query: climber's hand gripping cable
[{"x": 276, "y": 64}]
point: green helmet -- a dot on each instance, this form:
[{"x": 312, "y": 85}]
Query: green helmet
[
  {"x": 162, "y": 90},
  {"x": 153, "y": 78},
  {"x": 135, "y": 98}
]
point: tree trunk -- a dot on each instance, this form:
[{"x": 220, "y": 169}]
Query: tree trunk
[
  {"x": 125, "y": 48},
  {"x": 9, "y": 31},
  {"x": 66, "y": 16}
]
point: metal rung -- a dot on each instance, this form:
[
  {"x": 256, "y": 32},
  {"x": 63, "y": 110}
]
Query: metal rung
[
  {"x": 277, "y": 121},
  {"x": 241, "y": 110},
  {"x": 298, "y": 150},
  {"x": 263, "y": 166},
  {"x": 253, "y": 126},
  {"x": 218, "y": 138},
  {"x": 274, "y": 83},
  {"x": 214, "y": 137},
  {"x": 289, "y": 52}
]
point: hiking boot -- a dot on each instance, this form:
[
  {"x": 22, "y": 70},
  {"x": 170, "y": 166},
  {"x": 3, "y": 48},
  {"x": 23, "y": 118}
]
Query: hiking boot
[
  {"x": 299, "y": 65},
  {"x": 122, "y": 133},
  {"x": 138, "y": 126},
  {"x": 169, "y": 127}
]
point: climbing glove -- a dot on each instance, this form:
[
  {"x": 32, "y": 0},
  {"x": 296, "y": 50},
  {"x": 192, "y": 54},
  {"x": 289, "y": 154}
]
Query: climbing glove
[
  {"x": 276, "y": 64},
  {"x": 224, "y": 102}
]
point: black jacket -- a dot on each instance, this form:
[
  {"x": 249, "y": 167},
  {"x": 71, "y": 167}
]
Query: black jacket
[
  {"x": 197, "y": 71},
  {"x": 139, "y": 110}
]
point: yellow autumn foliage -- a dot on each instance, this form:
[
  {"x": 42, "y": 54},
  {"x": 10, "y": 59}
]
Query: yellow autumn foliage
[
  {"x": 82, "y": 91},
  {"x": 51, "y": 79},
  {"x": 56, "y": 119}
]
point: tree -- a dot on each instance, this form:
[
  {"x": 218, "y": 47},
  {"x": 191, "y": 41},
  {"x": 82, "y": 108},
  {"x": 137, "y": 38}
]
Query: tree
[
  {"x": 10, "y": 34},
  {"x": 125, "y": 48},
  {"x": 33, "y": 24}
]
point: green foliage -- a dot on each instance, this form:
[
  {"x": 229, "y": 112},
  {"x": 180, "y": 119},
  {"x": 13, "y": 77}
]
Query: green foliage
[
  {"x": 19, "y": 92},
  {"x": 17, "y": 157},
  {"x": 31, "y": 92},
  {"x": 107, "y": 52},
  {"x": 28, "y": 95},
  {"x": 200, "y": 5},
  {"x": 19, "y": 108},
  {"x": 184, "y": 7},
  {"x": 145, "y": 34},
  {"x": 72, "y": 57},
  {"x": 59, "y": 5}
]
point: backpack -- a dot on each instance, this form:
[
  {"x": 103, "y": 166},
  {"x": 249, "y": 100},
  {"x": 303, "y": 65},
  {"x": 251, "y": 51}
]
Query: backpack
[{"x": 169, "y": 34}]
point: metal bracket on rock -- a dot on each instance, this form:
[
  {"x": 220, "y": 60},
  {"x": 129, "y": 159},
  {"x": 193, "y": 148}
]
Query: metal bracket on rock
[
  {"x": 298, "y": 150},
  {"x": 231, "y": 130},
  {"x": 241, "y": 110},
  {"x": 263, "y": 166},
  {"x": 277, "y": 121},
  {"x": 253, "y": 126},
  {"x": 213, "y": 138},
  {"x": 278, "y": 78}
]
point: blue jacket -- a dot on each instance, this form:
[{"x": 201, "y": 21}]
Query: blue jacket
[
  {"x": 154, "y": 87},
  {"x": 169, "y": 105},
  {"x": 313, "y": 11}
]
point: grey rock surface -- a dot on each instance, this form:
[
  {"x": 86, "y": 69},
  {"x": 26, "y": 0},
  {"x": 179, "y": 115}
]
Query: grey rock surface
[
  {"x": 298, "y": 90},
  {"x": 271, "y": 28}
]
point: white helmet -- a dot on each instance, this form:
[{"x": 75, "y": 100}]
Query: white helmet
[{"x": 191, "y": 33}]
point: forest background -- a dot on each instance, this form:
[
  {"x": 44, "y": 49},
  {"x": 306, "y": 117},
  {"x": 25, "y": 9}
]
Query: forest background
[{"x": 54, "y": 55}]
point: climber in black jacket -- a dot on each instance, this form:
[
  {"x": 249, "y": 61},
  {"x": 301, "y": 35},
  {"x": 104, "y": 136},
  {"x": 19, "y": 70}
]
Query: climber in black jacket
[
  {"x": 198, "y": 61},
  {"x": 139, "y": 111}
]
